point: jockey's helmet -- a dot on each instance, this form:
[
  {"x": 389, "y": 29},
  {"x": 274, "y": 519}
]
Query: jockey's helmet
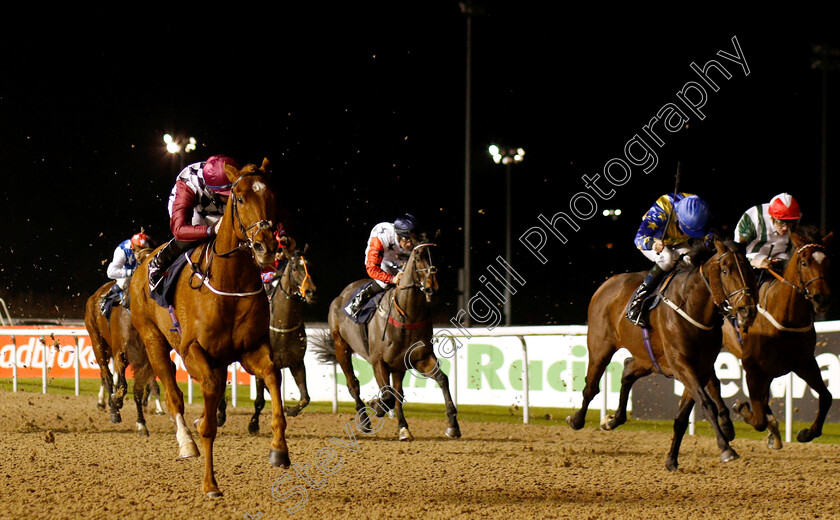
[
  {"x": 692, "y": 215},
  {"x": 404, "y": 225},
  {"x": 784, "y": 207},
  {"x": 140, "y": 240},
  {"x": 214, "y": 174}
]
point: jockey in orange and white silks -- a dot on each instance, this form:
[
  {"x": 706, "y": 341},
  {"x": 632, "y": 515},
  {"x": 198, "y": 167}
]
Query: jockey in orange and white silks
[
  {"x": 388, "y": 248},
  {"x": 765, "y": 229}
]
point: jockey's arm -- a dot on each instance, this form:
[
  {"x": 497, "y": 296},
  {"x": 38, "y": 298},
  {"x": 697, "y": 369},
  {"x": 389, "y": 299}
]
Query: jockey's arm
[
  {"x": 180, "y": 222},
  {"x": 373, "y": 262},
  {"x": 116, "y": 269},
  {"x": 651, "y": 229}
]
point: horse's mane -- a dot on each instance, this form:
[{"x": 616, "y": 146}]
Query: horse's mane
[
  {"x": 810, "y": 234},
  {"x": 701, "y": 250}
]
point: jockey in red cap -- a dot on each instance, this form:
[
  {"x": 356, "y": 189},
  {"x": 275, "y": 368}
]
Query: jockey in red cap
[
  {"x": 389, "y": 246},
  {"x": 123, "y": 265},
  {"x": 765, "y": 229},
  {"x": 196, "y": 205}
]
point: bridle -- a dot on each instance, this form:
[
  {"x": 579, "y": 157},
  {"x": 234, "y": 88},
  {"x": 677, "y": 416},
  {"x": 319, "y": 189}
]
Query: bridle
[
  {"x": 245, "y": 241},
  {"x": 300, "y": 292},
  {"x": 425, "y": 272},
  {"x": 801, "y": 287},
  {"x": 726, "y": 306}
]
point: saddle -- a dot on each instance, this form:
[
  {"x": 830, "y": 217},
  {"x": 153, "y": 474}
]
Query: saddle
[
  {"x": 164, "y": 293},
  {"x": 368, "y": 309},
  {"x": 655, "y": 296}
]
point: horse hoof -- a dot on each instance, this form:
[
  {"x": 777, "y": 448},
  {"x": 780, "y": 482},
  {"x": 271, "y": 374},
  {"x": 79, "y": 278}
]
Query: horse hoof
[
  {"x": 160, "y": 412},
  {"x": 188, "y": 451},
  {"x": 254, "y": 428},
  {"x": 453, "y": 433},
  {"x": 805, "y": 436},
  {"x": 608, "y": 422},
  {"x": 100, "y": 406},
  {"x": 737, "y": 408},
  {"x": 671, "y": 465},
  {"x": 292, "y": 412},
  {"x": 773, "y": 443},
  {"x": 220, "y": 420},
  {"x": 571, "y": 421},
  {"x": 213, "y": 494},
  {"x": 729, "y": 455},
  {"x": 279, "y": 459},
  {"x": 406, "y": 435},
  {"x": 142, "y": 431},
  {"x": 116, "y": 417}
]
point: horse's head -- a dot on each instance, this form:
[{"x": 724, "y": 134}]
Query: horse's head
[
  {"x": 141, "y": 254},
  {"x": 420, "y": 271},
  {"x": 809, "y": 264},
  {"x": 297, "y": 270},
  {"x": 732, "y": 283},
  {"x": 252, "y": 209}
]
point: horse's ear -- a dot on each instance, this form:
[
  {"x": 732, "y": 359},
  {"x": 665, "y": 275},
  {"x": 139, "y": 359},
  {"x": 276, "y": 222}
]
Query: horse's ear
[
  {"x": 305, "y": 248},
  {"x": 720, "y": 246},
  {"x": 826, "y": 241},
  {"x": 265, "y": 167},
  {"x": 437, "y": 234},
  {"x": 232, "y": 173},
  {"x": 797, "y": 240}
]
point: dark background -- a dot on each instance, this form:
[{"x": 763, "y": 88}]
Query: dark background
[{"x": 362, "y": 113}]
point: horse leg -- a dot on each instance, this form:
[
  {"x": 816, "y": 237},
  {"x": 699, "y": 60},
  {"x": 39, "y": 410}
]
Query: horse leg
[
  {"x": 713, "y": 389},
  {"x": 632, "y": 373},
  {"x": 810, "y": 373},
  {"x": 680, "y": 425},
  {"x": 343, "y": 355},
  {"x": 154, "y": 391},
  {"x": 299, "y": 373},
  {"x": 430, "y": 365},
  {"x": 164, "y": 368},
  {"x": 259, "y": 363},
  {"x": 121, "y": 388},
  {"x": 384, "y": 403},
  {"x": 402, "y": 424},
  {"x": 598, "y": 362},
  {"x": 221, "y": 412},
  {"x": 757, "y": 412},
  {"x": 727, "y": 454},
  {"x": 259, "y": 404},
  {"x": 139, "y": 394},
  {"x": 101, "y": 352}
]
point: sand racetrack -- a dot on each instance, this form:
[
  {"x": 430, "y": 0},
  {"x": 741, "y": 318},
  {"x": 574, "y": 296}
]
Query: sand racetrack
[{"x": 61, "y": 458}]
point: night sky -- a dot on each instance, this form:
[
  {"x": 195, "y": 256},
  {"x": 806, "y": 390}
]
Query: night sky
[{"x": 362, "y": 115}]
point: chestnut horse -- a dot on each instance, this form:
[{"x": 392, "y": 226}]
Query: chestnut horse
[
  {"x": 223, "y": 313},
  {"x": 115, "y": 338},
  {"x": 684, "y": 343},
  {"x": 783, "y": 339},
  {"x": 398, "y": 338},
  {"x": 287, "y": 331}
]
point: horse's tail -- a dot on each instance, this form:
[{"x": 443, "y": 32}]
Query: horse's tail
[{"x": 322, "y": 344}]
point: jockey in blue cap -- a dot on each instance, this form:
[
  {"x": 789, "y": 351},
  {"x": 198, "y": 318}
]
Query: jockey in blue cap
[
  {"x": 389, "y": 246},
  {"x": 663, "y": 238}
]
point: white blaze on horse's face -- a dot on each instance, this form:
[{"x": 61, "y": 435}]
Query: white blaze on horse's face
[
  {"x": 258, "y": 187},
  {"x": 818, "y": 257}
]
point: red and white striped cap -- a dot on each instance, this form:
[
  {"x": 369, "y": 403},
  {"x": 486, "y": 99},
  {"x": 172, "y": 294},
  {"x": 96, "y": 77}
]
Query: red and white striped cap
[{"x": 784, "y": 207}]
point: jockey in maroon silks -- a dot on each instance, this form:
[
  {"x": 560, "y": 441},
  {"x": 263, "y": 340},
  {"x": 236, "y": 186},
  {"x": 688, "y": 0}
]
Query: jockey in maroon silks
[{"x": 196, "y": 205}]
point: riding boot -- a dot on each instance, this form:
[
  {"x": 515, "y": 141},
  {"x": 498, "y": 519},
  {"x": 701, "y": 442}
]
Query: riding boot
[
  {"x": 635, "y": 313},
  {"x": 163, "y": 259},
  {"x": 364, "y": 295},
  {"x": 115, "y": 290}
]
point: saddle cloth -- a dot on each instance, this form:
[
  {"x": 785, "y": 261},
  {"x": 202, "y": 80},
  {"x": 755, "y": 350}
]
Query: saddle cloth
[
  {"x": 368, "y": 308},
  {"x": 164, "y": 293}
]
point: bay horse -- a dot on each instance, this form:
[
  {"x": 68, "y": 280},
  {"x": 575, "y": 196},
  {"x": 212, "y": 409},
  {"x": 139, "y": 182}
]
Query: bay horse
[
  {"x": 783, "y": 338},
  {"x": 287, "y": 331},
  {"x": 397, "y": 338},
  {"x": 115, "y": 338},
  {"x": 684, "y": 343},
  {"x": 223, "y": 313}
]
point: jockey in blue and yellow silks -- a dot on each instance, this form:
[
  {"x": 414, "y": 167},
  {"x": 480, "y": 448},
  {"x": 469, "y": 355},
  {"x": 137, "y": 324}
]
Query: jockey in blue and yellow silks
[{"x": 663, "y": 237}]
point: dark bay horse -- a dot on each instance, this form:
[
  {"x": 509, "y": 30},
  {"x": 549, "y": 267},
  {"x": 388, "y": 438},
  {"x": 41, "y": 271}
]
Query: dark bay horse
[
  {"x": 223, "y": 313},
  {"x": 287, "y": 331},
  {"x": 397, "y": 338},
  {"x": 684, "y": 344},
  {"x": 115, "y": 338},
  {"x": 783, "y": 339}
]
